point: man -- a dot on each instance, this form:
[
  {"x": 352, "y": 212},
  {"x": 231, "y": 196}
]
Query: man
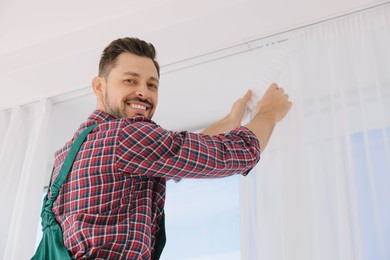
[{"x": 111, "y": 205}]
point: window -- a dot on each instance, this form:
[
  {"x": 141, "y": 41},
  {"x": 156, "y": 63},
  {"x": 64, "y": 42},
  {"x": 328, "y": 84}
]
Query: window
[
  {"x": 372, "y": 176},
  {"x": 202, "y": 219}
]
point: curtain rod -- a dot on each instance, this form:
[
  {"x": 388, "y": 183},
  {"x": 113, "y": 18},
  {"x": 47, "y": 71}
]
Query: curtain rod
[
  {"x": 267, "y": 40},
  {"x": 236, "y": 49}
]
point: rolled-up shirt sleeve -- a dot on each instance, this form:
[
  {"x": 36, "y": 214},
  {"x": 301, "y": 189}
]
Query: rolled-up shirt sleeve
[{"x": 144, "y": 148}]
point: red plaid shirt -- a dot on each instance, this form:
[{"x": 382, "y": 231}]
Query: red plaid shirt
[{"x": 114, "y": 196}]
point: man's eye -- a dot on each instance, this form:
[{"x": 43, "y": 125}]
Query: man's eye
[
  {"x": 129, "y": 81},
  {"x": 152, "y": 86}
]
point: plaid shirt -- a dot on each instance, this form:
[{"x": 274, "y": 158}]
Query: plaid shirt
[{"x": 114, "y": 196}]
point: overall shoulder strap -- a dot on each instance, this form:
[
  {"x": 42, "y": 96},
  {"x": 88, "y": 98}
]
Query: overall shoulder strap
[{"x": 67, "y": 165}]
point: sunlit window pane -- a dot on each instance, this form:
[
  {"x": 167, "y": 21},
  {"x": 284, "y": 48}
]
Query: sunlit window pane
[{"x": 202, "y": 219}]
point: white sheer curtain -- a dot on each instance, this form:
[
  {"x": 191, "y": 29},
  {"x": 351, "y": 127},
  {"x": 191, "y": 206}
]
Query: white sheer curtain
[
  {"x": 23, "y": 169},
  {"x": 321, "y": 189}
]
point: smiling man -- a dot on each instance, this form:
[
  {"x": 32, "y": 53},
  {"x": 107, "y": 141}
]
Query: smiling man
[
  {"x": 128, "y": 87},
  {"x": 112, "y": 203}
]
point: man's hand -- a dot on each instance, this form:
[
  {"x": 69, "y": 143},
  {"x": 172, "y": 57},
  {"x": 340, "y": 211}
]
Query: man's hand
[
  {"x": 238, "y": 109},
  {"x": 233, "y": 119},
  {"x": 274, "y": 104},
  {"x": 271, "y": 108}
]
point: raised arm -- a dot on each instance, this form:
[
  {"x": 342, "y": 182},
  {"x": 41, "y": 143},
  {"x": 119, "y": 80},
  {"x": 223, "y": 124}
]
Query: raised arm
[
  {"x": 270, "y": 109},
  {"x": 232, "y": 120}
]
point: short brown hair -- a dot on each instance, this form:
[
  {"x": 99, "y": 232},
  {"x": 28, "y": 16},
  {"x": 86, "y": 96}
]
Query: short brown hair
[{"x": 131, "y": 45}]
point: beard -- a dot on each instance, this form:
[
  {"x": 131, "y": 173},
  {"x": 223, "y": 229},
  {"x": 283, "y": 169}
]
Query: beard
[
  {"x": 120, "y": 112},
  {"x": 111, "y": 109}
]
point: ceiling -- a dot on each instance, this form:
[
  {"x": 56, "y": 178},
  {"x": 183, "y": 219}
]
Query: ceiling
[{"x": 48, "y": 48}]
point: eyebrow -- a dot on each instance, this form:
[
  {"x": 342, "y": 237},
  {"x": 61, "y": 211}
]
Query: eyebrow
[{"x": 134, "y": 74}]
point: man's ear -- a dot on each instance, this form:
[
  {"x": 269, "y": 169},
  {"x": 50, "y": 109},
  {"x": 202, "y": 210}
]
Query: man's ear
[{"x": 97, "y": 85}]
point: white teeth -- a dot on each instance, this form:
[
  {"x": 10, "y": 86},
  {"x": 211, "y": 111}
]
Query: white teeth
[{"x": 137, "y": 106}]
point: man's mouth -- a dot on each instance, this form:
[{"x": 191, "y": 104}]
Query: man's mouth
[
  {"x": 137, "y": 106},
  {"x": 140, "y": 106}
]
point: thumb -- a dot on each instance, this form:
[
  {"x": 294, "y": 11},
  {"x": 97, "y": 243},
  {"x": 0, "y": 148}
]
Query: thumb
[{"x": 247, "y": 96}]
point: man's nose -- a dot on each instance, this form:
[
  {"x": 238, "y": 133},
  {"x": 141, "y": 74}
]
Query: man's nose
[{"x": 142, "y": 91}]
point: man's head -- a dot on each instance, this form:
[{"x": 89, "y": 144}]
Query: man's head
[{"x": 127, "y": 84}]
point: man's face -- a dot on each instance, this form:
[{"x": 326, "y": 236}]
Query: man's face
[{"x": 131, "y": 88}]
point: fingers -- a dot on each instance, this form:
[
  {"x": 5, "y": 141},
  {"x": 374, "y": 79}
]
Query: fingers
[
  {"x": 279, "y": 91},
  {"x": 247, "y": 96},
  {"x": 273, "y": 87},
  {"x": 244, "y": 100},
  {"x": 276, "y": 89},
  {"x": 239, "y": 107}
]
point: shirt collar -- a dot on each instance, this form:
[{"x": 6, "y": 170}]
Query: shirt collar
[{"x": 100, "y": 116}]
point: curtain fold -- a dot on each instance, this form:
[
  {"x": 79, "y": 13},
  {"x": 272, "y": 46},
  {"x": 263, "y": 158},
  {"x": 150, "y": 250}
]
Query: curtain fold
[
  {"x": 23, "y": 169},
  {"x": 320, "y": 190}
]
